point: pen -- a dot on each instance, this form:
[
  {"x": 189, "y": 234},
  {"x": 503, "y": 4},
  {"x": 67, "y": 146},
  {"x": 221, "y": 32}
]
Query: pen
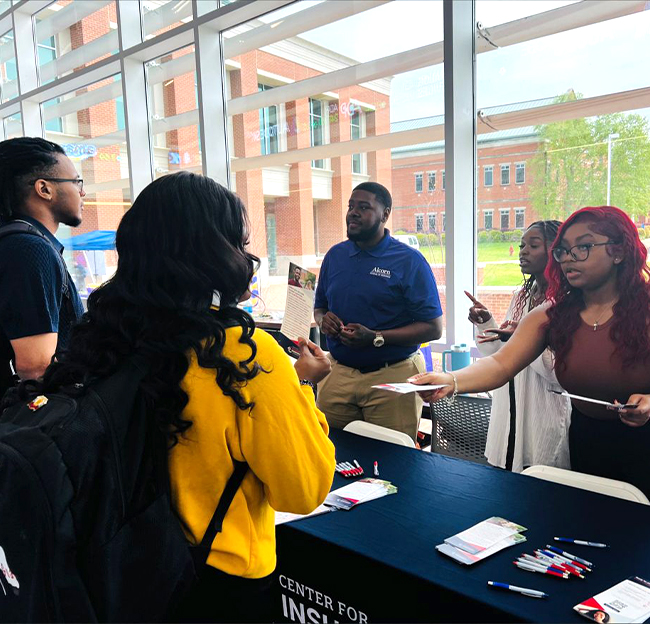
[
  {"x": 561, "y": 563},
  {"x": 376, "y": 469},
  {"x": 533, "y": 593},
  {"x": 580, "y": 542},
  {"x": 542, "y": 565},
  {"x": 533, "y": 568},
  {"x": 578, "y": 560}
]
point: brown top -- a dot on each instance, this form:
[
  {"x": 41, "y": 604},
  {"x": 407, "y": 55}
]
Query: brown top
[{"x": 592, "y": 370}]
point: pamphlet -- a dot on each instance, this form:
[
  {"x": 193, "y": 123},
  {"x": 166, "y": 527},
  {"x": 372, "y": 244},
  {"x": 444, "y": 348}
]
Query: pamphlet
[
  {"x": 629, "y": 601},
  {"x": 283, "y": 516},
  {"x": 405, "y": 388},
  {"x": 468, "y": 558},
  {"x": 484, "y": 535},
  {"x": 358, "y": 492},
  {"x": 299, "y": 306}
]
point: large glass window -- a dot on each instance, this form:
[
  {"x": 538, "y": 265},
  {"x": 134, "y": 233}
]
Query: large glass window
[
  {"x": 432, "y": 181},
  {"x": 487, "y": 219},
  {"x": 90, "y": 134},
  {"x": 13, "y": 126},
  {"x": 505, "y": 175},
  {"x": 269, "y": 134},
  {"x": 355, "y": 109},
  {"x": 73, "y": 35},
  {"x": 520, "y": 173},
  {"x": 418, "y": 182},
  {"x": 488, "y": 173},
  {"x": 160, "y": 16},
  {"x": 173, "y": 112},
  {"x": 8, "y": 73}
]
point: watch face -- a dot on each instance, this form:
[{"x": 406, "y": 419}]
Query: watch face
[{"x": 378, "y": 341}]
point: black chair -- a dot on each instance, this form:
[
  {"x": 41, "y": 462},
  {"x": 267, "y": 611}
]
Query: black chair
[{"x": 460, "y": 429}]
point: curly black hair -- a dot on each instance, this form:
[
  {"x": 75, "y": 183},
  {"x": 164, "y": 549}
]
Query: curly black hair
[{"x": 183, "y": 240}]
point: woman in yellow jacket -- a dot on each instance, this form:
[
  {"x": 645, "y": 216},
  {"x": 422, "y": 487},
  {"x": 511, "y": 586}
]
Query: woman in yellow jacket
[{"x": 221, "y": 390}]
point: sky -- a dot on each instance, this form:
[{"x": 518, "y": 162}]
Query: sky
[{"x": 594, "y": 60}]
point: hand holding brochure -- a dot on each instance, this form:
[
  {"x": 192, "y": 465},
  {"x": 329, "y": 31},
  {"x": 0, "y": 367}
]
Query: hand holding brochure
[
  {"x": 628, "y": 601},
  {"x": 405, "y": 388}
]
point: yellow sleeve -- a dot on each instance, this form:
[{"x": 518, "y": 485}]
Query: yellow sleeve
[{"x": 284, "y": 437}]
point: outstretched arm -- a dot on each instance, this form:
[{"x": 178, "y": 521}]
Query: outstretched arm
[{"x": 526, "y": 344}]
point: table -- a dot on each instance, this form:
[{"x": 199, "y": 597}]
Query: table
[{"x": 377, "y": 562}]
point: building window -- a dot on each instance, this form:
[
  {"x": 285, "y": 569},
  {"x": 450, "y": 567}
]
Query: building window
[
  {"x": 520, "y": 173},
  {"x": 505, "y": 175},
  {"x": 520, "y": 218},
  {"x": 488, "y": 175},
  {"x": 432, "y": 181},
  {"x": 505, "y": 218},
  {"x": 443, "y": 180},
  {"x": 444, "y": 222},
  {"x": 316, "y": 129},
  {"x": 357, "y": 131},
  {"x": 268, "y": 126},
  {"x": 418, "y": 182},
  {"x": 487, "y": 219},
  {"x": 432, "y": 222},
  {"x": 419, "y": 223}
]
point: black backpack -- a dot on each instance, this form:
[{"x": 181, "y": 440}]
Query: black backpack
[{"x": 87, "y": 529}]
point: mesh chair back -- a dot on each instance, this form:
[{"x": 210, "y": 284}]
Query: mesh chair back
[{"x": 460, "y": 429}]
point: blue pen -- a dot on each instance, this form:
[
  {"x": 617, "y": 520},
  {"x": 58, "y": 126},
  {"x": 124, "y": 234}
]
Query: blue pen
[
  {"x": 570, "y": 556},
  {"x": 580, "y": 542},
  {"x": 533, "y": 593}
]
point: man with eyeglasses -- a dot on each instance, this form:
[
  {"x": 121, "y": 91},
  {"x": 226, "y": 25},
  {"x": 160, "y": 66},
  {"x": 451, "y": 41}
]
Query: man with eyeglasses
[{"x": 39, "y": 190}]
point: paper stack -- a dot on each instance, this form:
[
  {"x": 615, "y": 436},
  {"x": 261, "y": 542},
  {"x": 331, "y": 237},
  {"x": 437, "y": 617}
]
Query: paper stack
[
  {"x": 482, "y": 540},
  {"x": 628, "y": 601},
  {"x": 358, "y": 492}
]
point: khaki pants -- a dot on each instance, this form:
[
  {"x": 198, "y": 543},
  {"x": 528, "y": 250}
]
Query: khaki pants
[{"x": 347, "y": 394}]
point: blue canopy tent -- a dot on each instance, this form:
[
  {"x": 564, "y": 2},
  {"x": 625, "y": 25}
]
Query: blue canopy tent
[{"x": 97, "y": 240}]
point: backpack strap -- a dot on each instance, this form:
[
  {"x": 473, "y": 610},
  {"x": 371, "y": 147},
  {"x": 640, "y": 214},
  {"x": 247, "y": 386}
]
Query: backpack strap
[
  {"x": 18, "y": 226},
  {"x": 201, "y": 551}
]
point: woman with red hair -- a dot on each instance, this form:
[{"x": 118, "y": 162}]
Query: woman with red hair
[{"x": 598, "y": 327}]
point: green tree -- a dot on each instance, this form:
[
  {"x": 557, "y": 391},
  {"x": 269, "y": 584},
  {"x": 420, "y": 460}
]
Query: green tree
[{"x": 570, "y": 168}]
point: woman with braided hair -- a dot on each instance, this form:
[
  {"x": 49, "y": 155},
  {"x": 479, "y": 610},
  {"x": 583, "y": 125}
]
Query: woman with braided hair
[{"x": 528, "y": 425}]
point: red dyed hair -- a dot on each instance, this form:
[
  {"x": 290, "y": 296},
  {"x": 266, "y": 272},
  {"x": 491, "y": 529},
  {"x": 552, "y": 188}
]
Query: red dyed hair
[{"x": 632, "y": 311}]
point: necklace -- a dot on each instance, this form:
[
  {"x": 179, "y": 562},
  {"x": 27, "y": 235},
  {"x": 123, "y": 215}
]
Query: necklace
[{"x": 609, "y": 307}]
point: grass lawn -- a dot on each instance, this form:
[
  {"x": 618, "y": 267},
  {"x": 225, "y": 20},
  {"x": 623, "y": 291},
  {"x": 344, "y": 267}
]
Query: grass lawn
[
  {"x": 502, "y": 275},
  {"x": 487, "y": 252}
]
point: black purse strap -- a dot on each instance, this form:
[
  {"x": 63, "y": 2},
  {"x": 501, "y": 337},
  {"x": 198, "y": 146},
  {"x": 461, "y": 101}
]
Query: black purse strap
[{"x": 201, "y": 551}]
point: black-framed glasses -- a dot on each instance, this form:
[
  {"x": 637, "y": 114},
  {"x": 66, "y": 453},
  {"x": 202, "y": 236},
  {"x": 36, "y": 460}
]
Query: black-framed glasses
[
  {"x": 78, "y": 181},
  {"x": 578, "y": 252}
]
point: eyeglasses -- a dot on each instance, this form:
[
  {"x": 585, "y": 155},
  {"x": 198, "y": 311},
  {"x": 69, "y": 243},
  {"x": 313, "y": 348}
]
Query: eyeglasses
[
  {"x": 578, "y": 252},
  {"x": 78, "y": 181}
]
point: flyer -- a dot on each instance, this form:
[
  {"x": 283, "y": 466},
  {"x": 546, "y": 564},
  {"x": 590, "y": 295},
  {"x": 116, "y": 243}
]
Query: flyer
[
  {"x": 299, "y": 306},
  {"x": 484, "y": 535},
  {"x": 469, "y": 558},
  {"x": 358, "y": 492},
  {"x": 628, "y": 601},
  {"x": 405, "y": 388}
]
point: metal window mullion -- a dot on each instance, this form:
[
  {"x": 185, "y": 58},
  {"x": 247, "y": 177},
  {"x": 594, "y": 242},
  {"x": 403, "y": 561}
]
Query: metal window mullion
[
  {"x": 25, "y": 46},
  {"x": 460, "y": 163},
  {"x": 211, "y": 89}
]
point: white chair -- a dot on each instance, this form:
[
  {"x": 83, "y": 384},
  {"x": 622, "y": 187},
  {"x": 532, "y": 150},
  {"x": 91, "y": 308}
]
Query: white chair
[
  {"x": 610, "y": 487},
  {"x": 368, "y": 430}
]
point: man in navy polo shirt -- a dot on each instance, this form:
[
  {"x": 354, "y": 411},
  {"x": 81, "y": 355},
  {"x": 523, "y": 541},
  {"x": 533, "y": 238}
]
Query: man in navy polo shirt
[
  {"x": 376, "y": 302},
  {"x": 38, "y": 300}
]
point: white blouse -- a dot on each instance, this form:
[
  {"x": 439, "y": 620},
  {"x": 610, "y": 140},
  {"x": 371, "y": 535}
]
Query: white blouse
[{"x": 542, "y": 420}]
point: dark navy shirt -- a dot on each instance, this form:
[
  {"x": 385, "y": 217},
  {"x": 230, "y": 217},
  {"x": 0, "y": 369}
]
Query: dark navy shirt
[
  {"x": 386, "y": 287},
  {"x": 32, "y": 280}
]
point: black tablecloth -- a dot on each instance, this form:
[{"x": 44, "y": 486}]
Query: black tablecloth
[{"x": 379, "y": 559}]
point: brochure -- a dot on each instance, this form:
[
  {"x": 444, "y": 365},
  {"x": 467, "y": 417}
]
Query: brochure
[
  {"x": 629, "y": 601},
  {"x": 299, "y": 306},
  {"x": 405, "y": 388},
  {"x": 283, "y": 516},
  {"x": 484, "y": 535},
  {"x": 468, "y": 558},
  {"x": 358, "y": 492}
]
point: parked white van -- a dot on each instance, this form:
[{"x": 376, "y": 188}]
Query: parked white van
[{"x": 408, "y": 239}]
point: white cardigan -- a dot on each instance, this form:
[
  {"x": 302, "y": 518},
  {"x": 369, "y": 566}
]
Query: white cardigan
[{"x": 542, "y": 420}]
